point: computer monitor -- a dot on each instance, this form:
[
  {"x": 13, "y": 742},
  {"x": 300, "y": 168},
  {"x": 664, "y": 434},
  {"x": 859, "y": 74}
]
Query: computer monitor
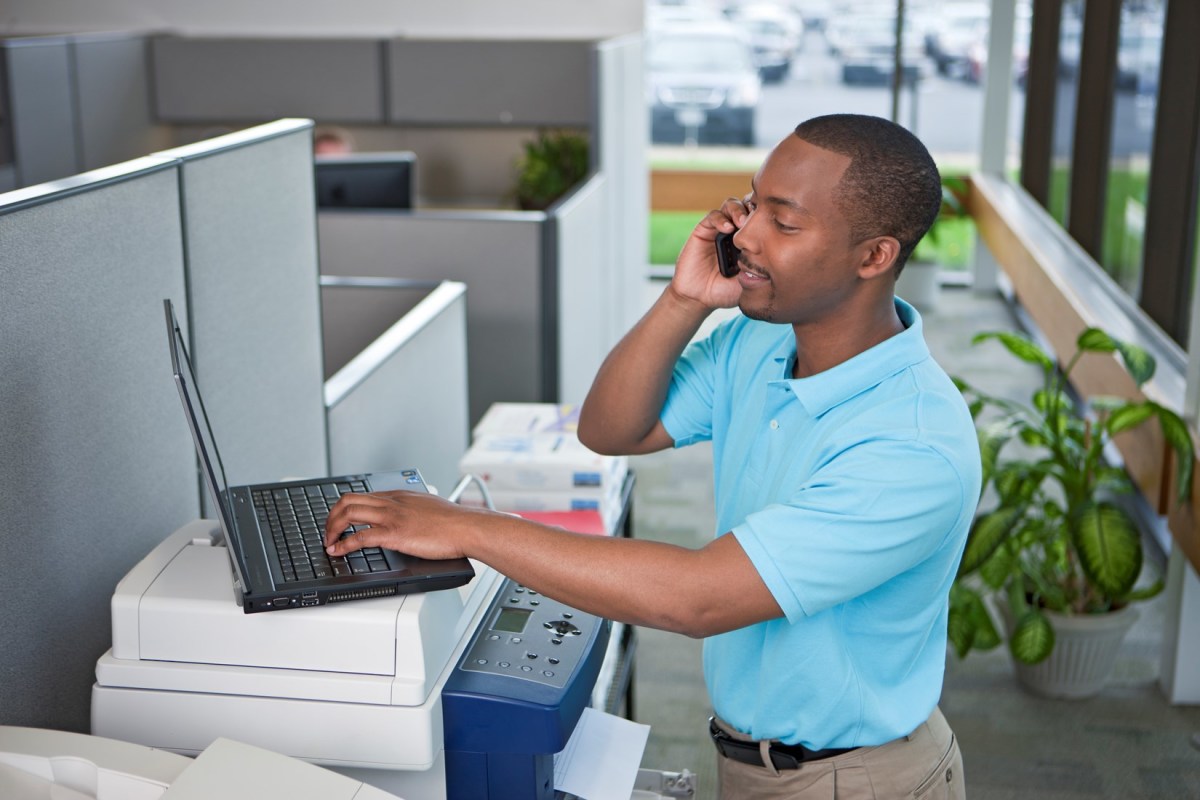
[{"x": 365, "y": 180}]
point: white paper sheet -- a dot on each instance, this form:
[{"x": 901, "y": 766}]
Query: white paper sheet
[{"x": 601, "y": 759}]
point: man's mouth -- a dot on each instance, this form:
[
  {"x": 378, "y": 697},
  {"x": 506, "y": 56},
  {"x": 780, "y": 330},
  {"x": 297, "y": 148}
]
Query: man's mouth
[{"x": 751, "y": 274}]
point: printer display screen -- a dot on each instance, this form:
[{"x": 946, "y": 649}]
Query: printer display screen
[{"x": 512, "y": 620}]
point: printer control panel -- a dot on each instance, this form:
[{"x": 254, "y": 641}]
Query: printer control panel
[{"x": 529, "y": 636}]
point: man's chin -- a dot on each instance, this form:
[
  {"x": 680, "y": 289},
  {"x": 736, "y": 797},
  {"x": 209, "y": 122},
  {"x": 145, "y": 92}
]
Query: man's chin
[{"x": 756, "y": 312}]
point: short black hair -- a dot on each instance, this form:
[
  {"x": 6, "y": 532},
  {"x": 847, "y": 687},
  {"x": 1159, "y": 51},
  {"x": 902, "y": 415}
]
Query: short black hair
[{"x": 891, "y": 188}]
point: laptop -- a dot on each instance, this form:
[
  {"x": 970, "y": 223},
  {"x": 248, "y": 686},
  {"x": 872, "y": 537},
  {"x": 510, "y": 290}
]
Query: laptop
[{"x": 275, "y": 532}]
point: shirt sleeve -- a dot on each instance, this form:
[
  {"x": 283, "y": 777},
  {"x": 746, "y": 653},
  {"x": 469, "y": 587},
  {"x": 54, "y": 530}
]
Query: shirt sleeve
[
  {"x": 873, "y": 512},
  {"x": 687, "y": 412}
]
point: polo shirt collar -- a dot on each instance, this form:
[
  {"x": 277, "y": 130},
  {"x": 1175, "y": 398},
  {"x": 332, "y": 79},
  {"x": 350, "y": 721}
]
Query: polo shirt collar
[{"x": 821, "y": 392}]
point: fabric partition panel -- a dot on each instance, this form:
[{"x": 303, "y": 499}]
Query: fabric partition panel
[
  {"x": 583, "y": 253},
  {"x": 498, "y": 255},
  {"x": 212, "y": 80},
  {"x": 623, "y": 123},
  {"x": 112, "y": 77},
  {"x": 96, "y": 463},
  {"x": 250, "y": 238},
  {"x": 510, "y": 82},
  {"x": 42, "y": 108},
  {"x": 402, "y": 400}
]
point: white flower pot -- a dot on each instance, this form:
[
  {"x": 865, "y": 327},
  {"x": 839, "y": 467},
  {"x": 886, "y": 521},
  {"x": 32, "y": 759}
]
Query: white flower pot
[{"x": 1085, "y": 649}]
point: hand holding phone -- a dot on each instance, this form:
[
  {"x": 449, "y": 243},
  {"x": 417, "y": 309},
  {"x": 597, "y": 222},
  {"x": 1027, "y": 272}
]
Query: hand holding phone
[{"x": 727, "y": 255}]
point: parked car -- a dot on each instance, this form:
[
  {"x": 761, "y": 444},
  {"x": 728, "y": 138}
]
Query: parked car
[
  {"x": 775, "y": 35},
  {"x": 701, "y": 84},
  {"x": 866, "y": 45},
  {"x": 1139, "y": 53},
  {"x": 950, "y": 33},
  {"x": 977, "y": 55}
]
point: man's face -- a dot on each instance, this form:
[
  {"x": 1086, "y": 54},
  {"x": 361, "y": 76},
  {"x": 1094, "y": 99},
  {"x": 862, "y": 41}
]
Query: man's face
[{"x": 798, "y": 261}]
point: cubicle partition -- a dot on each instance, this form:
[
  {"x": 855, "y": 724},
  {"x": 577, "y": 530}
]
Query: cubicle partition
[
  {"x": 251, "y": 259},
  {"x": 96, "y": 464},
  {"x": 502, "y": 258},
  {"x": 74, "y": 103},
  {"x": 211, "y": 80},
  {"x": 397, "y": 388},
  {"x": 539, "y": 307}
]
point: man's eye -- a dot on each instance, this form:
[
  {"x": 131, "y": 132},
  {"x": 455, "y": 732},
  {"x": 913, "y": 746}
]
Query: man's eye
[{"x": 785, "y": 227}]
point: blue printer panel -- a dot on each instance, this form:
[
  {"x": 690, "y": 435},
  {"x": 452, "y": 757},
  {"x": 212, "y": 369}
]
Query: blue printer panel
[{"x": 525, "y": 677}]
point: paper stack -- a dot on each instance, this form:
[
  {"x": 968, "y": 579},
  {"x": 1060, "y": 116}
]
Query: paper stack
[{"x": 531, "y": 459}]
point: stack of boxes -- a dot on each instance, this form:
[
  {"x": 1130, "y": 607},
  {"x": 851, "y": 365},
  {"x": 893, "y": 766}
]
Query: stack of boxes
[{"x": 530, "y": 458}]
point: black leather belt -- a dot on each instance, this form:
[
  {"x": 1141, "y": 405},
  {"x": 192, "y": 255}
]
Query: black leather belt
[{"x": 783, "y": 756}]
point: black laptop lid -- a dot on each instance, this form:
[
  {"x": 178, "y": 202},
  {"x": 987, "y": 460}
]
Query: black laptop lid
[{"x": 206, "y": 445}]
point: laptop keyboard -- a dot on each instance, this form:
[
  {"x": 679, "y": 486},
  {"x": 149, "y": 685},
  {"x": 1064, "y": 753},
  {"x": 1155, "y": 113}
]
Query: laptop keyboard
[{"x": 295, "y": 517}]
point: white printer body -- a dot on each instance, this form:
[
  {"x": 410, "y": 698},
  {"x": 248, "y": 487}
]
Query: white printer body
[{"x": 353, "y": 686}]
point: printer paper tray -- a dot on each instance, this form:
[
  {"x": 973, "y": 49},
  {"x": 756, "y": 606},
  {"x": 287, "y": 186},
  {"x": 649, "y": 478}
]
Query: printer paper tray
[{"x": 331, "y": 734}]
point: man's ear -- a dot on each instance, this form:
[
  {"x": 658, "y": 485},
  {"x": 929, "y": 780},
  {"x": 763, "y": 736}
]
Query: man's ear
[{"x": 879, "y": 255}]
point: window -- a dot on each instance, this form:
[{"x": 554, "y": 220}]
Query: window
[
  {"x": 1139, "y": 54},
  {"x": 1070, "y": 40}
]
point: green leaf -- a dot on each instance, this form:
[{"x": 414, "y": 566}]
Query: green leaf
[
  {"x": 991, "y": 440},
  {"x": 987, "y": 533},
  {"x": 1094, "y": 340},
  {"x": 969, "y": 626},
  {"x": 1033, "y": 437},
  {"x": 1020, "y": 346},
  {"x": 1176, "y": 433},
  {"x": 959, "y": 629},
  {"x": 1109, "y": 547},
  {"x": 1032, "y": 638},
  {"x": 1140, "y": 364},
  {"x": 995, "y": 570},
  {"x": 1128, "y": 416},
  {"x": 1145, "y": 593}
]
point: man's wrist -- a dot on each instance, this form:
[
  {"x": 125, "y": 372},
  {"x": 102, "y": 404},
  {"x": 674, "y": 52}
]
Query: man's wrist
[{"x": 688, "y": 307}]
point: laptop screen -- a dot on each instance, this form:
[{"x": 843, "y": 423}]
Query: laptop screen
[{"x": 206, "y": 445}]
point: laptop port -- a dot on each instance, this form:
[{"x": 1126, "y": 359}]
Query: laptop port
[{"x": 281, "y": 602}]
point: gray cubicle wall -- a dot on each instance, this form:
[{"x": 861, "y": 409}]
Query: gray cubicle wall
[
  {"x": 504, "y": 259},
  {"x": 498, "y": 82},
  {"x": 253, "y": 297},
  {"x": 41, "y": 101},
  {"x": 96, "y": 463},
  {"x": 111, "y": 76},
  {"x": 77, "y": 103},
  {"x": 224, "y": 79},
  {"x": 539, "y": 308},
  {"x": 624, "y": 129},
  {"x": 397, "y": 394},
  {"x": 583, "y": 253}
]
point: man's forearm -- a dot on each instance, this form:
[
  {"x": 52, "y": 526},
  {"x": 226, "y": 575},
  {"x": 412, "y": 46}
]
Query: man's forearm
[{"x": 621, "y": 411}]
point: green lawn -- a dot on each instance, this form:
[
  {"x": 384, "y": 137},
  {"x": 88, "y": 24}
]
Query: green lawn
[{"x": 951, "y": 244}]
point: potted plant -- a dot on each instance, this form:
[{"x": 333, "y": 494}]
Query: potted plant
[
  {"x": 553, "y": 163},
  {"x": 918, "y": 281},
  {"x": 1055, "y": 552}
]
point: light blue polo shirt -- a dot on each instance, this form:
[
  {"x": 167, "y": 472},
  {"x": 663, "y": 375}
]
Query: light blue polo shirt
[{"x": 852, "y": 492}]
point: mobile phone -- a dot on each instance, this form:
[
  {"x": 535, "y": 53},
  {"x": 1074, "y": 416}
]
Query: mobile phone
[{"x": 727, "y": 255}]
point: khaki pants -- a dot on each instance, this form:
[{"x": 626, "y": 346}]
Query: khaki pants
[{"x": 925, "y": 765}]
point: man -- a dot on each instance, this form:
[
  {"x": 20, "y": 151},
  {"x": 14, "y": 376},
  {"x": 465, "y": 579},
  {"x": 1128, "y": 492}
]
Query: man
[{"x": 846, "y": 472}]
